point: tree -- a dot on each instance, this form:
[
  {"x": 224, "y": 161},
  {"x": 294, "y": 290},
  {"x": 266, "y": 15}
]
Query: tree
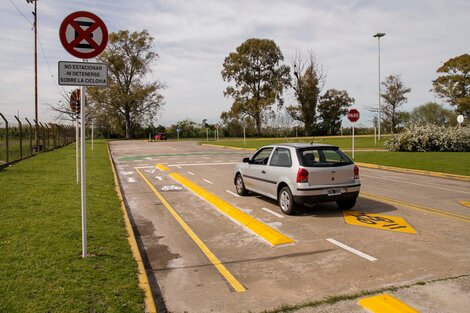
[
  {"x": 394, "y": 96},
  {"x": 258, "y": 76},
  {"x": 333, "y": 105},
  {"x": 308, "y": 83},
  {"x": 129, "y": 100},
  {"x": 432, "y": 113},
  {"x": 453, "y": 86}
]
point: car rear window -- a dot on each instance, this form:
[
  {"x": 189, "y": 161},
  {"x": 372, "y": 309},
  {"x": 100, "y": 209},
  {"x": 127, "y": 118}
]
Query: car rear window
[{"x": 322, "y": 157}]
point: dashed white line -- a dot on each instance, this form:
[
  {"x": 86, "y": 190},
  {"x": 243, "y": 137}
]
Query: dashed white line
[
  {"x": 178, "y": 166},
  {"x": 194, "y": 164},
  {"x": 159, "y": 178},
  {"x": 357, "y": 252},
  {"x": 233, "y": 193},
  {"x": 131, "y": 180},
  {"x": 272, "y": 212},
  {"x": 190, "y": 173},
  {"x": 207, "y": 181}
]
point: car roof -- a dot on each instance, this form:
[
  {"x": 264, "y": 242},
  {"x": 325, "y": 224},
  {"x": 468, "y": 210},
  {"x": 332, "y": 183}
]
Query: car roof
[{"x": 302, "y": 145}]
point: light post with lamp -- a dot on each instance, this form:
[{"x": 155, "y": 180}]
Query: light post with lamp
[{"x": 378, "y": 36}]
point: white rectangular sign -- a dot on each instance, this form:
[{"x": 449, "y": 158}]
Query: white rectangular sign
[{"x": 83, "y": 74}]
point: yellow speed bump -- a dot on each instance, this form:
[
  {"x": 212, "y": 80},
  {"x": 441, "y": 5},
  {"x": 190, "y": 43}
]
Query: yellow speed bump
[
  {"x": 236, "y": 285},
  {"x": 264, "y": 231},
  {"x": 162, "y": 167},
  {"x": 378, "y": 221},
  {"x": 386, "y": 304},
  {"x": 465, "y": 203}
]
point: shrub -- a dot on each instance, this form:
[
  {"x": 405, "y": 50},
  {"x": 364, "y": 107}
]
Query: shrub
[{"x": 431, "y": 138}]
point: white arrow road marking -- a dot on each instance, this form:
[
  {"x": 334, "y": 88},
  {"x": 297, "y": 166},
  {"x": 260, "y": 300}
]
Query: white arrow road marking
[
  {"x": 150, "y": 171},
  {"x": 159, "y": 178},
  {"x": 131, "y": 180}
]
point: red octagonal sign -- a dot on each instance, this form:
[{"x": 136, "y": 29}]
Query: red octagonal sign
[
  {"x": 83, "y": 34},
  {"x": 353, "y": 115}
]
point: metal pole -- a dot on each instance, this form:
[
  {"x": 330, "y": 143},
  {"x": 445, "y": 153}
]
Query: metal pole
[
  {"x": 21, "y": 137},
  {"x": 83, "y": 168},
  {"x": 379, "y": 89},
  {"x": 6, "y": 137},
  {"x": 353, "y": 140},
  {"x": 207, "y": 134},
  {"x": 30, "y": 137},
  {"x": 244, "y": 136},
  {"x": 36, "y": 73},
  {"x": 92, "y": 134},
  {"x": 375, "y": 136},
  {"x": 77, "y": 147}
]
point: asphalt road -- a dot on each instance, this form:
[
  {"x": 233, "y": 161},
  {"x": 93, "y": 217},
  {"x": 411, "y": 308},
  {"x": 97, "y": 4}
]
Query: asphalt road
[{"x": 405, "y": 229}]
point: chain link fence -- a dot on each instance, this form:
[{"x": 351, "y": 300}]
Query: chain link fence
[{"x": 18, "y": 138}]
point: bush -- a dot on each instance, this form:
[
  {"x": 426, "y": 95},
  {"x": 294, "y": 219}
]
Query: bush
[{"x": 431, "y": 138}]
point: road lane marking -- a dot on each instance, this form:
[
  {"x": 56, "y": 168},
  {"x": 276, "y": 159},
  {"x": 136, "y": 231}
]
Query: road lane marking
[
  {"x": 208, "y": 181},
  {"x": 236, "y": 285},
  {"x": 417, "y": 184},
  {"x": 357, "y": 252},
  {"x": 378, "y": 221},
  {"x": 233, "y": 193},
  {"x": 385, "y": 303},
  {"x": 131, "y": 180},
  {"x": 178, "y": 166},
  {"x": 465, "y": 203},
  {"x": 191, "y": 173},
  {"x": 162, "y": 167},
  {"x": 159, "y": 178},
  {"x": 264, "y": 231},
  {"x": 272, "y": 212},
  {"x": 413, "y": 206},
  {"x": 195, "y": 164}
]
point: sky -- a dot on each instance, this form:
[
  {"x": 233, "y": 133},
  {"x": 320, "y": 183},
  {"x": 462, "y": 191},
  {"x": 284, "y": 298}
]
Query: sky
[{"x": 192, "y": 38}]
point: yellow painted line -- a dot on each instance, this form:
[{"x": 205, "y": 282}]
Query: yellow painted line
[
  {"x": 413, "y": 171},
  {"x": 228, "y": 147},
  {"x": 236, "y": 285},
  {"x": 385, "y": 303},
  {"x": 162, "y": 167},
  {"x": 142, "y": 273},
  {"x": 465, "y": 203},
  {"x": 264, "y": 231},
  {"x": 422, "y": 208},
  {"x": 378, "y": 221}
]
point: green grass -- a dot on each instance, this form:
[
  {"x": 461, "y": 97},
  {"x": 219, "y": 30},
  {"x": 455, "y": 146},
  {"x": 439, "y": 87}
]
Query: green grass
[
  {"x": 445, "y": 162},
  {"x": 41, "y": 268},
  {"x": 345, "y": 142}
]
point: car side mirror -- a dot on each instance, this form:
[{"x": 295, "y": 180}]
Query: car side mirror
[{"x": 246, "y": 160}]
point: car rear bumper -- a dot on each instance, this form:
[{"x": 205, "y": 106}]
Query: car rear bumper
[
  {"x": 326, "y": 198},
  {"x": 313, "y": 194}
]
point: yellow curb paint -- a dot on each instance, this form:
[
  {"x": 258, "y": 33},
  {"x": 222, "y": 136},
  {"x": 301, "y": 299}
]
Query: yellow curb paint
[
  {"x": 378, "y": 221},
  {"x": 228, "y": 147},
  {"x": 162, "y": 167},
  {"x": 142, "y": 274},
  {"x": 413, "y": 171},
  {"x": 264, "y": 231},
  {"x": 465, "y": 203},
  {"x": 236, "y": 285},
  {"x": 413, "y": 206},
  {"x": 385, "y": 303}
]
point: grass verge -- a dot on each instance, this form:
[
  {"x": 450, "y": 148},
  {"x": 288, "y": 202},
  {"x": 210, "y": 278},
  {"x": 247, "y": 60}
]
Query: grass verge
[
  {"x": 444, "y": 162},
  {"x": 40, "y": 238}
]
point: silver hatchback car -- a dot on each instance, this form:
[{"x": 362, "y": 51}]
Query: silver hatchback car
[{"x": 296, "y": 174}]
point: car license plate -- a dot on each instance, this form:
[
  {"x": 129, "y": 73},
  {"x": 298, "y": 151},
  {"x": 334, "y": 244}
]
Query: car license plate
[{"x": 334, "y": 192}]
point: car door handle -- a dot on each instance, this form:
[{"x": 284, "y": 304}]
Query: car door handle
[{"x": 263, "y": 172}]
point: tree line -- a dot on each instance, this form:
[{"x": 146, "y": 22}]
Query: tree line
[{"x": 257, "y": 78}]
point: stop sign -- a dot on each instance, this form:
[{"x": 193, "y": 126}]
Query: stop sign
[{"x": 353, "y": 115}]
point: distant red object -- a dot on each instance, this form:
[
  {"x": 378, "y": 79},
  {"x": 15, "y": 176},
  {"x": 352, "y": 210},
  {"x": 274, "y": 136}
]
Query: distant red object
[
  {"x": 353, "y": 115},
  {"x": 161, "y": 136}
]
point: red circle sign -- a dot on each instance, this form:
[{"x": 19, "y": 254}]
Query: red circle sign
[
  {"x": 353, "y": 115},
  {"x": 83, "y": 34}
]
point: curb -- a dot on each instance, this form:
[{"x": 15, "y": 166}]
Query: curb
[
  {"x": 413, "y": 171},
  {"x": 144, "y": 283}
]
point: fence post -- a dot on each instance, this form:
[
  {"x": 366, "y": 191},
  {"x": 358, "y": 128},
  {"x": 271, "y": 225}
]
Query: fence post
[
  {"x": 6, "y": 137},
  {"x": 30, "y": 137},
  {"x": 21, "y": 137},
  {"x": 42, "y": 137},
  {"x": 48, "y": 144}
]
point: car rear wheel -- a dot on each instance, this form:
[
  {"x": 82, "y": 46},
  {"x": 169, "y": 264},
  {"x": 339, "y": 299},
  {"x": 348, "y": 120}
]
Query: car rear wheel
[
  {"x": 240, "y": 186},
  {"x": 286, "y": 201},
  {"x": 346, "y": 204}
]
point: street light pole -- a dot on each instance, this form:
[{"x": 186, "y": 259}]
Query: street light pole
[
  {"x": 378, "y": 36},
  {"x": 36, "y": 133}
]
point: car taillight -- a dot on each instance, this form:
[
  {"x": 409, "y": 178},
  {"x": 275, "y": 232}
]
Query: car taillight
[
  {"x": 356, "y": 172},
  {"x": 302, "y": 175}
]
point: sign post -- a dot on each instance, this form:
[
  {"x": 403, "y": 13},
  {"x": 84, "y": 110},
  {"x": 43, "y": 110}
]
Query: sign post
[
  {"x": 460, "y": 120},
  {"x": 84, "y": 35},
  {"x": 75, "y": 107},
  {"x": 353, "y": 117}
]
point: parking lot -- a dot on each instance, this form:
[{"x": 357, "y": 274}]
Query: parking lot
[{"x": 210, "y": 250}]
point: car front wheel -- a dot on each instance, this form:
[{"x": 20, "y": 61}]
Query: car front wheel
[
  {"x": 240, "y": 186},
  {"x": 286, "y": 201},
  {"x": 346, "y": 204}
]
